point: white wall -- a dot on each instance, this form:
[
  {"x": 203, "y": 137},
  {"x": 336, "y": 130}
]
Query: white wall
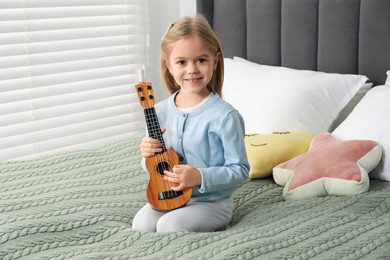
[{"x": 163, "y": 13}]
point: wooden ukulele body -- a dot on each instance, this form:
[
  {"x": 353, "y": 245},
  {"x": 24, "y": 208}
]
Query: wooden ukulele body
[{"x": 157, "y": 194}]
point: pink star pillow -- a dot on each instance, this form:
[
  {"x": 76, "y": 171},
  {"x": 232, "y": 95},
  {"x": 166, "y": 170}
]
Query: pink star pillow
[{"x": 329, "y": 167}]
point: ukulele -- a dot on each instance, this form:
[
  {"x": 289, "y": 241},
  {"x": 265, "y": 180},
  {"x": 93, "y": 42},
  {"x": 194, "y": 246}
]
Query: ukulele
[{"x": 159, "y": 192}]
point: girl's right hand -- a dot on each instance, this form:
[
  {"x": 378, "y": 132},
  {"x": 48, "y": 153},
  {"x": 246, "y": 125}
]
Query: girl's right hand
[{"x": 150, "y": 146}]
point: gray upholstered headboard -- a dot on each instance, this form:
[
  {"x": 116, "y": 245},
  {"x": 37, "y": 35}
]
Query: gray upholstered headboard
[{"x": 344, "y": 36}]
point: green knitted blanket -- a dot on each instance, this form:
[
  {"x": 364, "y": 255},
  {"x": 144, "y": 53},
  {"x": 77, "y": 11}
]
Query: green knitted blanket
[{"x": 80, "y": 205}]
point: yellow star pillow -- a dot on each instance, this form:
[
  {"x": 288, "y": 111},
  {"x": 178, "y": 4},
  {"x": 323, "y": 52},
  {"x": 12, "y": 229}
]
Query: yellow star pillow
[
  {"x": 265, "y": 151},
  {"x": 329, "y": 167}
]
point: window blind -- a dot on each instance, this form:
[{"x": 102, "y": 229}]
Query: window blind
[{"x": 67, "y": 74}]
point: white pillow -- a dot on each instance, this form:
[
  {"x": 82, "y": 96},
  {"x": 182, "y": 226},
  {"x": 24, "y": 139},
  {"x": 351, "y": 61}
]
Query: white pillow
[
  {"x": 351, "y": 105},
  {"x": 281, "y": 99},
  {"x": 369, "y": 121}
]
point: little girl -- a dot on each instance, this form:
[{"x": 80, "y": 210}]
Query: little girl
[{"x": 206, "y": 132}]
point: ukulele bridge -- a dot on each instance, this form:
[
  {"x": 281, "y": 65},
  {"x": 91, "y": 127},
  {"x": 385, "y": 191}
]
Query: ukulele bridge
[{"x": 169, "y": 194}]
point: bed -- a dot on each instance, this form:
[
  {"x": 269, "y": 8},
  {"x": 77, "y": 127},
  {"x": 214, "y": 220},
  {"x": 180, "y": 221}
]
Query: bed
[{"x": 80, "y": 204}]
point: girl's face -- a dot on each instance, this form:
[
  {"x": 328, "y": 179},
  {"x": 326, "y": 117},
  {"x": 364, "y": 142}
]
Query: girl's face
[{"x": 192, "y": 65}]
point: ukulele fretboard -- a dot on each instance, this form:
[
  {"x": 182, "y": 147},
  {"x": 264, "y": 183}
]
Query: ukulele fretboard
[{"x": 153, "y": 126}]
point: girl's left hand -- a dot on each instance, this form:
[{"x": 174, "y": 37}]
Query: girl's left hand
[{"x": 184, "y": 175}]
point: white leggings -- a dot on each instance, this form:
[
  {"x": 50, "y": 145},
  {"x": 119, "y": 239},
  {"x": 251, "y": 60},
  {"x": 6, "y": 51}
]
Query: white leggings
[{"x": 194, "y": 217}]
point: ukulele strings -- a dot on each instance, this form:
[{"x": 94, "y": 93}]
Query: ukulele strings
[
  {"x": 154, "y": 128},
  {"x": 163, "y": 157}
]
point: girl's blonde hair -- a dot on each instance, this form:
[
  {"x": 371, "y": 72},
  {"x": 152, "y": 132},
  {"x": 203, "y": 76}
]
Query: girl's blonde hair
[{"x": 199, "y": 27}]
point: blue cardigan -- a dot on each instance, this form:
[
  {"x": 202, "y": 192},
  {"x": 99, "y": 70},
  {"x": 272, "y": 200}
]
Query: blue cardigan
[{"x": 210, "y": 138}]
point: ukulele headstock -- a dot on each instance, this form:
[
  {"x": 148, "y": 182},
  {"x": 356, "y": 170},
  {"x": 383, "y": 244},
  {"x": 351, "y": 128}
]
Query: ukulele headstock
[{"x": 145, "y": 94}]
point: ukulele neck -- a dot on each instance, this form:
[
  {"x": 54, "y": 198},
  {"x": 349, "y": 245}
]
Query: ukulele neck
[{"x": 153, "y": 126}]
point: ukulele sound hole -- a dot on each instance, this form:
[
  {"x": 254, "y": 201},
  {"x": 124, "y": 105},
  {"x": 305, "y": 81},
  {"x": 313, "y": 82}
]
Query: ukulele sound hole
[{"x": 162, "y": 166}]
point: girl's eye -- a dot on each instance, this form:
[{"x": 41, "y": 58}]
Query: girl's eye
[
  {"x": 201, "y": 60},
  {"x": 181, "y": 62}
]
